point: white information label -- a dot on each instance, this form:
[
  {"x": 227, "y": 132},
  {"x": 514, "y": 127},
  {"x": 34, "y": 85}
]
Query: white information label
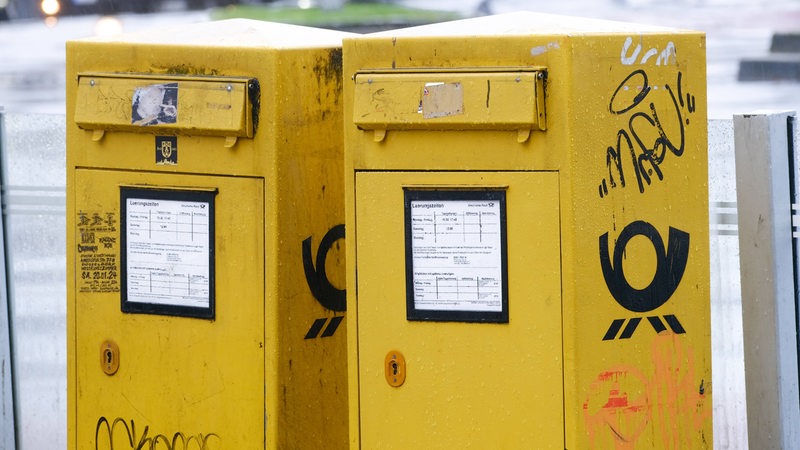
[
  {"x": 457, "y": 255},
  {"x": 168, "y": 252}
]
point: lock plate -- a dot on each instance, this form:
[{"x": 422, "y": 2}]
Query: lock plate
[
  {"x": 109, "y": 357},
  {"x": 394, "y": 366}
]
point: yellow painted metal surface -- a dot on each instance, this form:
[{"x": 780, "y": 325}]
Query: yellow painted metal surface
[
  {"x": 218, "y": 106},
  {"x": 176, "y": 374},
  {"x": 504, "y": 100},
  {"x": 265, "y": 367},
  {"x": 460, "y": 386},
  {"x": 622, "y": 164}
]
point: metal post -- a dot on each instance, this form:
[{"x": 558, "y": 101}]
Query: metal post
[
  {"x": 768, "y": 279},
  {"x": 7, "y": 429}
]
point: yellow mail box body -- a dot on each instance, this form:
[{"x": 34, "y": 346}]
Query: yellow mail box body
[
  {"x": 527, "y": 251},
  {"x": 205, "y": 218}
]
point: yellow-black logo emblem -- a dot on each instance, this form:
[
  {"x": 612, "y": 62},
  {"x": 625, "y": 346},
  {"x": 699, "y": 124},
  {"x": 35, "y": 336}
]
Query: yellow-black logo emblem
[{"x": 166, "y": 150}]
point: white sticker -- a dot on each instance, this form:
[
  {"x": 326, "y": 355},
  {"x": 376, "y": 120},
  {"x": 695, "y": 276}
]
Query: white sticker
[
  {"x": 457, "y": 255},
  {"x": 167, "y": 248}
]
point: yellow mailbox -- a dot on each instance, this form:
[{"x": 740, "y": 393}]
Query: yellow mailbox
[
  {"x": 205, "y": 217},
  {"x": 526, "y": 207}
]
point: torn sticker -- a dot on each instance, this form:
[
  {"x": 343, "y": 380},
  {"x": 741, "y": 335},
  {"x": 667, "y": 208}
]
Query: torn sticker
[
  {"x": 442, "y": 100},
  {"x": 155, "y": 104}
]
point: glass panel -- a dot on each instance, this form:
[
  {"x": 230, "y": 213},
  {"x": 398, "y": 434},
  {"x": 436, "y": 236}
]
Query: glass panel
[
  {"x": 727, "y": 351},
  {"x": 34, "y": 204},
  {"x": 6, "y": 393}
]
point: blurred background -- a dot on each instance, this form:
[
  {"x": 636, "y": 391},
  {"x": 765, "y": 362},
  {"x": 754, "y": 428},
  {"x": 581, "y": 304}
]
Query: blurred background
[
  {"x": 19, "y": 9},
  {"x": 33, "y": 33},
  {"x": 746, "y": 72}
]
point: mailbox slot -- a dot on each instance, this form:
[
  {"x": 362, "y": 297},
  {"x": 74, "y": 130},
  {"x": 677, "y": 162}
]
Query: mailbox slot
[
  {"x": 502, "y": 100},
  {"x": 206, "y": 106}
]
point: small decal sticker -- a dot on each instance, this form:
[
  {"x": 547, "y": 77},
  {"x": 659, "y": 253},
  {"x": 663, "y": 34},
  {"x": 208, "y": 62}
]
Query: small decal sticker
[
  {"x": 166, "y": 150},
  {"x": 97, "y": 252}
]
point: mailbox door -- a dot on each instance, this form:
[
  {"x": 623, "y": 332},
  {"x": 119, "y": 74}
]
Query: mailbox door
[
  {"x": 484, "y": 371},
  {"x": 182, "y": 379}
]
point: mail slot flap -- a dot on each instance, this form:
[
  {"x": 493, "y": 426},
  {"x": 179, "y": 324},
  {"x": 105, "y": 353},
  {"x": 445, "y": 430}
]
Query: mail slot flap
[
  {"x": 507, "y": 100},
  {"x": 214, "y": 106}
]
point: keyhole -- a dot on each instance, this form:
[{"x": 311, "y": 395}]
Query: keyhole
[
  {"x": 109, "y": 357},
  {"x": 394, "y": 368}
]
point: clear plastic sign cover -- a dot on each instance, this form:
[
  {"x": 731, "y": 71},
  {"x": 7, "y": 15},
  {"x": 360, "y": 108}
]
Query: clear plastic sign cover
[
  {"x": 456, "y": 255},
  {"x": 168, "y": 257}
]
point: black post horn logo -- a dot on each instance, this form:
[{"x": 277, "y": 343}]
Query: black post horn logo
[
  {"x": 670, "y": 267},
  {"x": 321, "y": 288},
  {"x": 669, "y": 270}
]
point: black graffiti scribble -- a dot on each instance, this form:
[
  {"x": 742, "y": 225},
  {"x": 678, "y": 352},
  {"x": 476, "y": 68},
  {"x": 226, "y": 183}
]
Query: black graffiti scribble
[
  {"x": 645, "y": 157},
  {"x": 321, "y": 288},
  {"x": 670, "y": 266},
  {"x": 179, "y": 440}
]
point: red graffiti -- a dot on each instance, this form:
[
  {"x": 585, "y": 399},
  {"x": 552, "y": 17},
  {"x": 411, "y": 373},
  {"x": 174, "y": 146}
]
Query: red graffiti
[
  {"x": 616, "y": 410},
  {"x": 671, "y": 405}
]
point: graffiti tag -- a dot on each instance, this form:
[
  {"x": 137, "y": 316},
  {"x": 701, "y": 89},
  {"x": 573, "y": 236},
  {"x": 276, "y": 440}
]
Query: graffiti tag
[
  {"x": 629, "y": 58},
  {"x": 121, "y": 434},
  {"x": 650, "y": 135},
  {"x": 622, "y": 401}
]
